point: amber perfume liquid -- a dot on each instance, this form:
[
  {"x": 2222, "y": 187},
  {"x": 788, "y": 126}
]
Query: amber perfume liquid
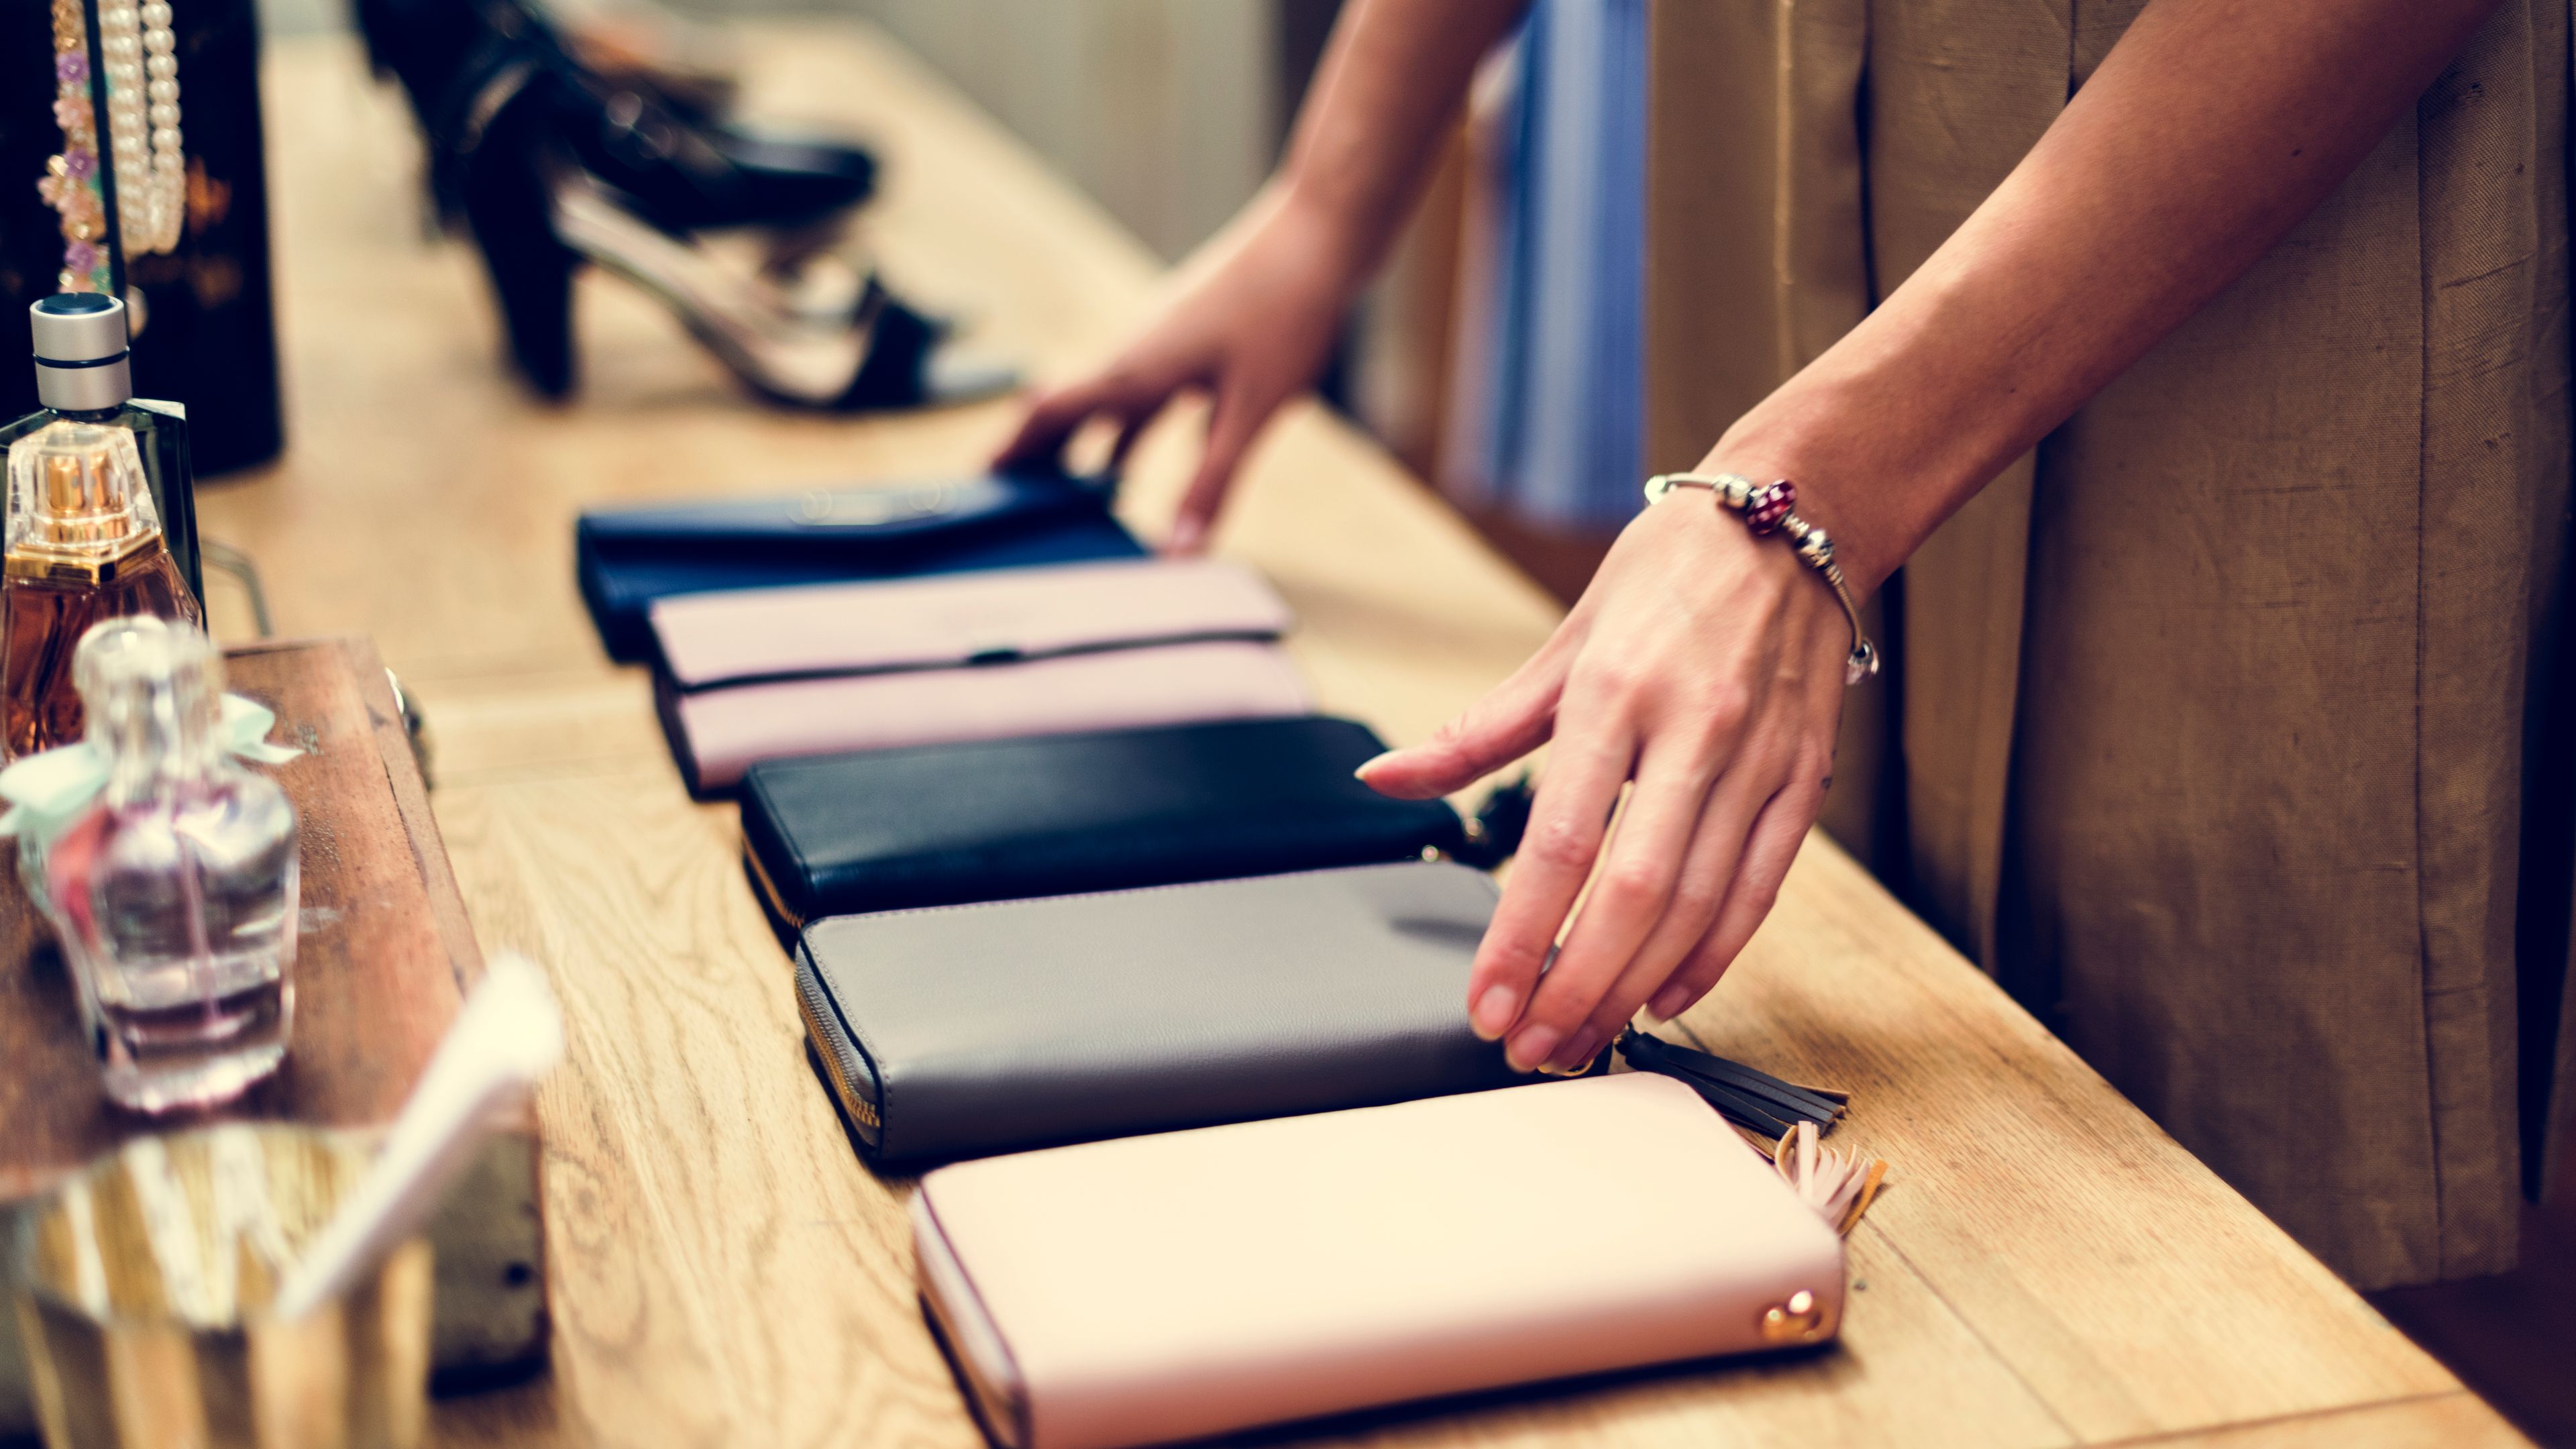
[
  {"x": 160, "y": 432},
  {"x": 41, "y": 622},
  {"x": 83, "y": 544}
]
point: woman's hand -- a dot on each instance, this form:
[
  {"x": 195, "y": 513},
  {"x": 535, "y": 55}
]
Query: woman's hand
[
  {"x": 1258, "y": 308},
  {"x": 1250, "y": 328},
  {"x": 1705, "y": 664}
]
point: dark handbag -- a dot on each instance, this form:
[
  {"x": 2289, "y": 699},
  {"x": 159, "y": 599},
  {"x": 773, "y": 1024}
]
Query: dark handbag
[
  {"x": 975, "y": 1029},
  {"x": 629, "y": 557},
  {"x": 1056, "y": 814}
]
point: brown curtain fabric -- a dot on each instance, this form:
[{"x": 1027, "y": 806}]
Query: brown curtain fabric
[{"x": 2219, "y": 727}]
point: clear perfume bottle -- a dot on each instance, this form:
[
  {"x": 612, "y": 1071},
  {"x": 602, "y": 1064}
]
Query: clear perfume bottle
[
  {"x": 175, "y": 896},
  {"x": 84, "y": 539}
]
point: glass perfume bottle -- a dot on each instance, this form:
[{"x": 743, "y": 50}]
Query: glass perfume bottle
[
  {"x": 84, "y": 539},
  {"x": 84, "y": 372},
  {"x": 175, "y": 895}
]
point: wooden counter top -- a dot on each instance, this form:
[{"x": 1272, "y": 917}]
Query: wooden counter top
[{"x": 2046, "y": 1266}]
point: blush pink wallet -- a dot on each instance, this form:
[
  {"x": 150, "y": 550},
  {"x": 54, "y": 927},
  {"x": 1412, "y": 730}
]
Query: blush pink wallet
[
  {"x": 718, "y": 734},
  {"x": 1170, "y": 1287},
  {"x": 707, "y": 640},
  {"x": 767, "y": 674}
]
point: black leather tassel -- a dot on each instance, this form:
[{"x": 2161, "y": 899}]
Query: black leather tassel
[{"x": 1749, "y": 1098}]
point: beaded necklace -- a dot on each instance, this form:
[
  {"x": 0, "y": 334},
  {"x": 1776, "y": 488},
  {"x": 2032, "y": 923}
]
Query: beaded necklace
[
  {"x": 140, "y": 64},
  {"x": 71, "y": 184}
]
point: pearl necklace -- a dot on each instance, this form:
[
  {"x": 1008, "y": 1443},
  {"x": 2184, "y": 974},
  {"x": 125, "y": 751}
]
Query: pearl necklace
[
  {"x": 71, "y": 180},
  {"x": 141, "y": 63}
]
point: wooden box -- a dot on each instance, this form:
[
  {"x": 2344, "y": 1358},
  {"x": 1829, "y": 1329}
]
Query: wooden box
[{"x": 385, "y": 954}]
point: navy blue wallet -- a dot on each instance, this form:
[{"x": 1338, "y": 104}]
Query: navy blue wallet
[
  {"x": 987, "y": 820},
  {"x": 629, "y": 557}
]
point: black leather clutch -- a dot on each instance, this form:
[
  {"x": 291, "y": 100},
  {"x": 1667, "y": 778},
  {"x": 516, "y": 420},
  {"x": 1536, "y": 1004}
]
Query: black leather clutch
[
  {"x": 629, "y": 557},
  {"x": 1056, "y": 814},
  {"x": 975, "y": 1029}
]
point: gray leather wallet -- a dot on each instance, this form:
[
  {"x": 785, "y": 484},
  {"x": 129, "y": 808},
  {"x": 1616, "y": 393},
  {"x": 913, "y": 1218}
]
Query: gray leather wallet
[{"x": 963, "y": 1030}]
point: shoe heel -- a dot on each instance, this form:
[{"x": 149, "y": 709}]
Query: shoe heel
[
  {"x": 508, "y": 205},
  {"x": 534, "y": 283}
]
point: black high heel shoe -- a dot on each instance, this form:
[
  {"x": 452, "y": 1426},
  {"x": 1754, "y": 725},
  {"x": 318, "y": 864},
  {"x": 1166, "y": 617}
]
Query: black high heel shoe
[
  {"x": 682, "y": 170},
  {"x": 687, "y": 175},
  {"x": 489, "y": 155},
  {"x": 537, "y": 215}
]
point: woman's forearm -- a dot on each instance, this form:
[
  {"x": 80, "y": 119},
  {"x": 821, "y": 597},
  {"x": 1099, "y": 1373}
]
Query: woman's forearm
[
  {"x": 2209, "y": 131},
  {"x": 1390, "y": 84}
]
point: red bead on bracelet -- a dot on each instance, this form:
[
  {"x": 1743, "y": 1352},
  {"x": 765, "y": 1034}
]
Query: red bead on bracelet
[{"x": 1769, "y": 507}]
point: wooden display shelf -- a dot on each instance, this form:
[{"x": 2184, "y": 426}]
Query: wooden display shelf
[{"x": 383, "y": 959}]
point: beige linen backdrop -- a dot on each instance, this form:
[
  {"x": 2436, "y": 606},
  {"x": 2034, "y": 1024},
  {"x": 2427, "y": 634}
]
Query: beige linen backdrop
[{"x": 2219, "y": 728}]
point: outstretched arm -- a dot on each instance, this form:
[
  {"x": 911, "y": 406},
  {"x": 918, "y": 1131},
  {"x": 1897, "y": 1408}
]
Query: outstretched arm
[
  {"x": 1259, "y": 306},
  {"x": 1704, "y": 665},
  {"x": 2208, "y": 132}
]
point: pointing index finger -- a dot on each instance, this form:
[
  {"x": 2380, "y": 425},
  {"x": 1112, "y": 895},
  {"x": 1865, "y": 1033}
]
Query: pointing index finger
[{"x": 1567, "y": 822}]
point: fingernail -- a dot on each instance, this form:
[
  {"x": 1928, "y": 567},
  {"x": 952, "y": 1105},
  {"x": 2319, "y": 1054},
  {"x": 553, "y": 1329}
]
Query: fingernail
[
  {"x": 1577, "y": 1055},
  {"x": 1372, "y": 762},
  {"x": 1185, "y": 537},
  {"x": 1532, "y": 1047},
  {"x": 1494, "y": 1012},
  {"x": 1669, "y": 1002}
]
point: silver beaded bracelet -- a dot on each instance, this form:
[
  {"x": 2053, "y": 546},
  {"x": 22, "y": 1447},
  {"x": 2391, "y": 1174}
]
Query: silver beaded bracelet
[{"x": 1765, "y": 509}]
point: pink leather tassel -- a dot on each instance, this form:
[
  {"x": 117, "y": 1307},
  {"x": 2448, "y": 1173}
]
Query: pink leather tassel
[{"x": 1836, "y": 1185}]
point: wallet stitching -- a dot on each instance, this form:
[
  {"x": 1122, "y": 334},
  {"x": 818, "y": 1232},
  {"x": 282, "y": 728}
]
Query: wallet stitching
[{"x": 1148, "y": 890}]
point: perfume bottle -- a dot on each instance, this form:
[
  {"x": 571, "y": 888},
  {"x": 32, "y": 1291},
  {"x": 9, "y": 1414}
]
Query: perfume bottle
[
  {"x": 175, "y": 895},
  {"x": 84, "y": 539},
  {"x": 78, "y": 376}
]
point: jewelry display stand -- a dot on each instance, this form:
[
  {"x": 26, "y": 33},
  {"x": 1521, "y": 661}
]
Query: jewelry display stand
[
  {"x": 384, "y": 957},
  {"x": 199, "y": 275}
]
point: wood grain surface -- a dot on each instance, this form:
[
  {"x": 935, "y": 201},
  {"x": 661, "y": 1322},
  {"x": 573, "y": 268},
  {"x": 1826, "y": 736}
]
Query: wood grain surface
[
  {"x": 384, "y": 954},
  {"x": 384, "y": 949},
  {"x": 2045, "y": 1268}
]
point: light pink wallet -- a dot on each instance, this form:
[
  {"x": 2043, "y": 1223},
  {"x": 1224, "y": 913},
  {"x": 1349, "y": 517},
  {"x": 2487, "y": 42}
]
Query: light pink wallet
[
  {"x": 1193, "y": 1283},
  {"x": 957, "y": 619},
  {"x": 776, "y": 673},
  {"x": 720, "y": 733}
]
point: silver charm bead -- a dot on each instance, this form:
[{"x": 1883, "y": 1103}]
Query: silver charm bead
[
  {"x": 1816, "y": 547},
  {"x": 1861, "y": 665},
  {"x": 1734, "y": 491}
]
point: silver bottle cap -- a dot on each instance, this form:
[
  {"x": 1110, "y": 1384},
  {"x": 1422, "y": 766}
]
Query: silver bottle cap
[{"x": 81, "y": 363}]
